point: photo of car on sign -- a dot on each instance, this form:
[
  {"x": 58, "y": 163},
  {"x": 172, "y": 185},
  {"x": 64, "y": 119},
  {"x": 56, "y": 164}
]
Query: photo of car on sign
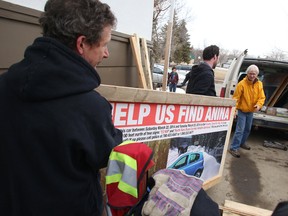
[
  {"x": 198, "y": 155},
  {"x": 192, "y": 163}
]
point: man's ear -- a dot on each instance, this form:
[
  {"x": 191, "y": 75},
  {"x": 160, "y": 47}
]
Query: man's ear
[{"x": 80, "y": 43}]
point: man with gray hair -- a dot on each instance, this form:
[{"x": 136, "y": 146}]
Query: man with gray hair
[
  {"x": 56, "y": 130},
  {"x": 250, "y": 98}
]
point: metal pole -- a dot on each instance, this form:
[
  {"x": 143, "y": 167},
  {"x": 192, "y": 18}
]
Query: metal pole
[{"x": 168, "y": 46}]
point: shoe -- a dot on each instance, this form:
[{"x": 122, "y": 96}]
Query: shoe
[
  {"x": 244, "y": 146},
  {"x": 234, "y": 153}
]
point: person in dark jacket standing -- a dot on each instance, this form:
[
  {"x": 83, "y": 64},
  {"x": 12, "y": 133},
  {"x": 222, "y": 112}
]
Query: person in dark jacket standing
[
  {"x": 56, "y": 130},
  {"x": 201, "y": 77},
  {"x": 173, "y": 80}
]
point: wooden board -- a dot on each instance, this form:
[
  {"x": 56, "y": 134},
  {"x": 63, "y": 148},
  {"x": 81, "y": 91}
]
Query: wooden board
[
  {"x": 147, "y": 70},
  {"x": 277, "y": 93},
  {"x": 129, "y": 94},
  {"x": 238, "y": 209},
  {"x": 134, "y": 40}
]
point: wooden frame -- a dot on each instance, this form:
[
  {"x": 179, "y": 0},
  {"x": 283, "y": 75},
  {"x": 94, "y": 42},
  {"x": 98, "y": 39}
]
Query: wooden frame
[{"x": 125, "y": 96}]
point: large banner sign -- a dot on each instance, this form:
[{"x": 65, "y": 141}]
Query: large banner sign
[
  {"x": 186, "y": 132},
  {"x": 146, "y": 122},
  {"x": 197, "y": 133}
]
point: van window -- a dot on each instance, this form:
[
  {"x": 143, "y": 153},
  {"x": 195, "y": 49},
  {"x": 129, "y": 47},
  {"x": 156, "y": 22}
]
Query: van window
[{"x": 241, "y": 76}]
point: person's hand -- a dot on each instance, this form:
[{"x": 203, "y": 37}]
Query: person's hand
[
  {"x": 256, "y": 108},
  {"x": 235, "y": 114}
]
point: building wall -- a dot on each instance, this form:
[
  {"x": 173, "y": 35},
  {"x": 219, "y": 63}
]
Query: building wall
[{"x": 19, "y": 27}]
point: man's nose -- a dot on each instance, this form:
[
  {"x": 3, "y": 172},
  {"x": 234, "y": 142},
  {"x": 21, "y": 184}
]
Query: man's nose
[{"x": 106, "y": 53}]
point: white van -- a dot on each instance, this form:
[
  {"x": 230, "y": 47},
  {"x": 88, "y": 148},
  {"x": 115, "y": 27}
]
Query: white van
[{"x": 274, "y": 75}]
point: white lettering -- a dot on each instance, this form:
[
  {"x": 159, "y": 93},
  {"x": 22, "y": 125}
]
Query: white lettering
[
  {"x": 143, "y": 112},
  {"x": 120, "y": 112}
]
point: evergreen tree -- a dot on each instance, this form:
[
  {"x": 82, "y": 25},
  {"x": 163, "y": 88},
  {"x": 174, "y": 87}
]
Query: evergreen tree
[
  {"x": 180, "y": 50},
  {"x": 180, "y": 46}
]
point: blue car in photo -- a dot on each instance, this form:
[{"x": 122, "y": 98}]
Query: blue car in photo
[{"x": 192, "y": 163}]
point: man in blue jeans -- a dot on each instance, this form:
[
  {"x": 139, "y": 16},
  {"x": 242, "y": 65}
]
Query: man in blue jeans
[{"x": 250, "y": 98}]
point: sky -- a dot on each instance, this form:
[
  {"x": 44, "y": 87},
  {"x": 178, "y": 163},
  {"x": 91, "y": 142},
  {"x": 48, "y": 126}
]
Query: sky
[
  {"x": 260, "y": 26},
  {"x": 129, "y": 14}
]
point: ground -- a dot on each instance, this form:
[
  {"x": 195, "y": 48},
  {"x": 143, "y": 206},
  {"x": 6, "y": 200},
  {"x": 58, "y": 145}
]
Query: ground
[{"x": 260, "y": 177}]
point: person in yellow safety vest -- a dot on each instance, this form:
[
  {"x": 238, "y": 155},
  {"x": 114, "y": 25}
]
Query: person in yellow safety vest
[{"x": 125, "y": 179}]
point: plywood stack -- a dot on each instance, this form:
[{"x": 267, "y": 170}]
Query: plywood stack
[{"x": 231, "y": 208}]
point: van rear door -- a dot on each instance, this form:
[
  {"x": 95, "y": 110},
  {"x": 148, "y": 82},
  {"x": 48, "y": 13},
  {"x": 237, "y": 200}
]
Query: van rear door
[{"x": 231, "y": 78}]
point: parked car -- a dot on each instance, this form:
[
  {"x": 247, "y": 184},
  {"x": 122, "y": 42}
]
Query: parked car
[
  {"x": 191, "y": 162},
  {"x": 274, "y": 75},
  {"x": 182, "y": 70},
  {"x": 157, "y": 76}
]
